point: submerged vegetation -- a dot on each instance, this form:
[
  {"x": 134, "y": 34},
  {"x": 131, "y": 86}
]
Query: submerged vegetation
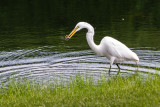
[{"x": 116, "y": 91}]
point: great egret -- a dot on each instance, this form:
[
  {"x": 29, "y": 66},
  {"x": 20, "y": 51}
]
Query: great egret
[{"x": 109, "y": 47}]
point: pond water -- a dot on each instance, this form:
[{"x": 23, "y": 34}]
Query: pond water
[{"x": 33, "y": 41}]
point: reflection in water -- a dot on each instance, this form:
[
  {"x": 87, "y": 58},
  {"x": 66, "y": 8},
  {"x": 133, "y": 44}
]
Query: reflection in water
[{"x": 50, "y": 66}]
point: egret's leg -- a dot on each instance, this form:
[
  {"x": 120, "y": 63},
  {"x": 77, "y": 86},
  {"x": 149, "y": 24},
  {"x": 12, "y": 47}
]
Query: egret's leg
[
  {"x": 118, "y": 66},
  {"x": 118, "y": 72},
  {"x": 110, "y": 68},
  {"x": 111, "y": 62}
]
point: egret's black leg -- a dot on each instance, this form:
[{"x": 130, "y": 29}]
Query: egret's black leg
[
  {"x": 118, "y": 66},
  {"x": 109, "y": 68}
]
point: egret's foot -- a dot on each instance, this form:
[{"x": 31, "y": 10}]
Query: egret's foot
[{"x": 118, "y": 72}]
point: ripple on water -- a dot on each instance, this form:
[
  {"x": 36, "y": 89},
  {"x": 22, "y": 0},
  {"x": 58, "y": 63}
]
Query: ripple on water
[{"x": 41, "y": 65}]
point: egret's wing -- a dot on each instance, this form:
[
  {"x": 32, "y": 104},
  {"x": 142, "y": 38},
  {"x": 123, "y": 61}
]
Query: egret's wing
[{"x": 117, "y": 49}]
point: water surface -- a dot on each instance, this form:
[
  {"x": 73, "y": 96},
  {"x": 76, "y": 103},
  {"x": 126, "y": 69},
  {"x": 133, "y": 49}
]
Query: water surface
[{"x": 33, "y": 45}]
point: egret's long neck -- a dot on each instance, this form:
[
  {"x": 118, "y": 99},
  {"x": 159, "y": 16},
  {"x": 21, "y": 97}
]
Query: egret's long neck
[{"x": 90, "y": 39}]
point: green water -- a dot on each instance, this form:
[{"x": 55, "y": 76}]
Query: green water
[
  {"x": 32, "y": 35},
  {"x": 27, "y": 24}
]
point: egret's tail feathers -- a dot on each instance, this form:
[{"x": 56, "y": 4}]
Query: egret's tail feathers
[
  {"x": 135, "y": 57},
  {"x": 137, "y": 61}
]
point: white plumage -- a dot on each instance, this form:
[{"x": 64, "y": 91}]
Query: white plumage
[{"x": 109, "y": 47}]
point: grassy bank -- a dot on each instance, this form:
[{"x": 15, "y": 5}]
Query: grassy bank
[{"x": 117, "y": 91}]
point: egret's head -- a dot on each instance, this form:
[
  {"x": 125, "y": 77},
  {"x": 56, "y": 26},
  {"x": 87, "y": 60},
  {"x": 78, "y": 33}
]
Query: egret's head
[{"x": 78, "y": 27}]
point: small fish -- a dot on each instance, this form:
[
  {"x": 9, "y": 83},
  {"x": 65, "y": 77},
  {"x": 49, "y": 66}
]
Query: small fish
[{"x": 67, "y": 37}]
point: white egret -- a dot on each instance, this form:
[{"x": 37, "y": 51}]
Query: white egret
[{"x": 109, "y": 47}]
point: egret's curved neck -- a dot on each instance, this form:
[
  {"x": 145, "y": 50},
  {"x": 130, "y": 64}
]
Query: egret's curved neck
[{"x": 90, "y": 39}]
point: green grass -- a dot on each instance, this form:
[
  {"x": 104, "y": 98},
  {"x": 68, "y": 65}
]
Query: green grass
[{"x": 116, "y": 91}]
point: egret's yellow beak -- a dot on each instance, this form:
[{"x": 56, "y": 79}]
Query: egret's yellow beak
[{"x": 71, "y": 34}]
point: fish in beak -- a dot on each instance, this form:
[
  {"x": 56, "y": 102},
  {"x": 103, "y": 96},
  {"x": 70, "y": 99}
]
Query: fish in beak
[{"x": 71, "y": 34}]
